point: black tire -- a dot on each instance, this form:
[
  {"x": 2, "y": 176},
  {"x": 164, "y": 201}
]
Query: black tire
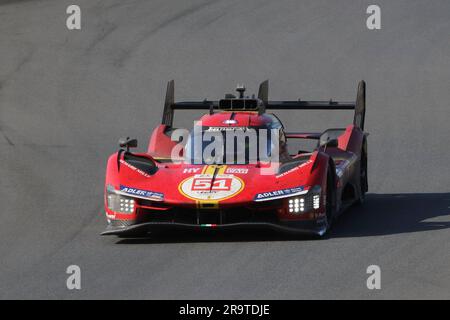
[
  {"x": 330, "y": 199},
  {"x": 363, "y": 184}
]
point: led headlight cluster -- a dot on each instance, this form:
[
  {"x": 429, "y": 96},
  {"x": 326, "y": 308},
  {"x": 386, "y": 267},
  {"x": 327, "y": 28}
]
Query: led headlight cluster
[
  {"x": 315, "y": 193},
  {"x": 120, "y": 203},
  {"x": 316, "y": 201},
  {"x": 127, "y": 205},
  {"x": 296, "y": 205},
  {"x": 307, "y": 202}
]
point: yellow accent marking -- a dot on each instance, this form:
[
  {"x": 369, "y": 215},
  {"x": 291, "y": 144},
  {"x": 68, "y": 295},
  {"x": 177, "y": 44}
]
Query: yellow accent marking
[
  {"x": 203, "y": 204},
  {"x": 211, "y": 204}
]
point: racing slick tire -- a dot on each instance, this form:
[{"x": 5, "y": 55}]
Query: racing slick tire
[
  {"x": 330, "y": 205},
  {"x": 363, "y": 184}
]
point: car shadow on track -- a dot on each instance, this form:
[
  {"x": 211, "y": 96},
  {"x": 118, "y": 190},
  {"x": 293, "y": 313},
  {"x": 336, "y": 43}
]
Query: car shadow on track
[
  {"x": 381, "y": 214},
  {"x": 388, "y": 214}
]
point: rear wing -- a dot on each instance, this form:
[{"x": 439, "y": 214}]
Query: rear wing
[{"x": 262, "y": 103}]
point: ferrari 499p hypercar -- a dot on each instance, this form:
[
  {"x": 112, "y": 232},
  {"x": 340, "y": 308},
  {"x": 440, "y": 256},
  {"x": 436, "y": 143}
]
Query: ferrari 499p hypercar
[{"x": 232, "y": 169}]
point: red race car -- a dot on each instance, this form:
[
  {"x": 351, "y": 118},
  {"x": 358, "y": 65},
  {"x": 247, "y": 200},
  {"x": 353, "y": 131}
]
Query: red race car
[{"x": 233, "y": 169}]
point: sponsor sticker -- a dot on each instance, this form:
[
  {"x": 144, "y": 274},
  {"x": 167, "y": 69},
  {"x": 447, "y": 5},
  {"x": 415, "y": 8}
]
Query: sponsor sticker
[
  {"x": 236, "y": 170},
  {"x": 293, "y": 169},
  {"x": 141, "y": 193},
  {"x": 203, "y": 187},
  {"x": 191, "y": 170},
  {"x": 279, "y": 193},
  {"x": 219, "y": 129},
  {"x": 134, "y": 168}
]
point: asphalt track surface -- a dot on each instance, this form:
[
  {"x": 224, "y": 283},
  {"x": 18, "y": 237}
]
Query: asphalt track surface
[{"x": 67, "y": 96}]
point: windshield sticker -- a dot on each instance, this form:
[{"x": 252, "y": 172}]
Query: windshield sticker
[{"x": 215, "y": 129}]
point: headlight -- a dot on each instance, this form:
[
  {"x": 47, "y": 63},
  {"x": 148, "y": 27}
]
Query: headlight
[
  {"x": 305, "y": 203},
  {"x": 316, "y": 201},
  {"x": 120, "y": 203},
  {"x": 296, "y": 205},
  {"x": 315, "y": 192}
]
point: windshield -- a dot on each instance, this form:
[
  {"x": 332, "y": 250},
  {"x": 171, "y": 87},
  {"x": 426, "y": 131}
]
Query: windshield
[{"x": 230, "y": 145}]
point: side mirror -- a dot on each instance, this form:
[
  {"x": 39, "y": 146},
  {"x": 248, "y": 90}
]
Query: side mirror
[
  {"x": 127, "y": 143},
  {"x": 331, "y": 143}
]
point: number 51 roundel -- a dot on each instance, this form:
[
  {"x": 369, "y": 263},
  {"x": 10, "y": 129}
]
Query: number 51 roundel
[{"x": 202, "y": 187}]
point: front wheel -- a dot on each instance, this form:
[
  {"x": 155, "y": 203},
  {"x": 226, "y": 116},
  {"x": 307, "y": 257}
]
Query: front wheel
[{"x": 330, "y": 204}]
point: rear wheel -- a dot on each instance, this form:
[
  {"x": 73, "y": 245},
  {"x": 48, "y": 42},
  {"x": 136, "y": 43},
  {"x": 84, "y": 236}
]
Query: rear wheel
[{"x": 364, "y": 186}]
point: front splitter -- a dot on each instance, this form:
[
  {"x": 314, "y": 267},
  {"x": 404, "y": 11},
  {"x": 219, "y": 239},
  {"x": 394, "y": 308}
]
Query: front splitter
[{"x": 294, "y": 227}]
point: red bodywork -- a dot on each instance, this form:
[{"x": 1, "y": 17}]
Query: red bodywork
[
  {"x": 208, "y": 196},
  {"x": 170, "y": 175}
]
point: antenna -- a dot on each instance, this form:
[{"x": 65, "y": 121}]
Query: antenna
[{"x": 241, "y": 89}]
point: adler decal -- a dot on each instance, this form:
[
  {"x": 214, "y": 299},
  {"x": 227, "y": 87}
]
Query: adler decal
[
  {"x": 278, "y": 194},
  {"x": 141, "y": 193}
]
